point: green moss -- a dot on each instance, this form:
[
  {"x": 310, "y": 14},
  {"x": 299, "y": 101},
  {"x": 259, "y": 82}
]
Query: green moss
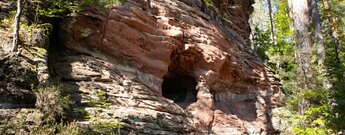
[
  {"x": 101, "y": 101},
  {"x": 59, "y": 8},
  {"x": 101, "y": 95},
  {"x": 112, "y": 128},
  {"x": 103, "y": 98},
  {"x": 208, "y": 3},
  {"x": 52, "y": 101},
  {"x": 82, "y": 112},
  {"x": 37, "y": 51},
  {"x": 30, "y": 122},
  {"x": 7, "y": 22},
  {"x": 71, "y": 128}
]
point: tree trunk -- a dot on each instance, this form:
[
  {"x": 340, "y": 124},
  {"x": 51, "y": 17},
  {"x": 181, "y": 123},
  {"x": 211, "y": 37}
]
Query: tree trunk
[
  {"x": 318, "y": 35},
  {"x": 17, "y": 26},
  {"x": 271, "y": 21},
  {"x": 300, "y": 17},
  {"x": 319, "y": 41},
  {"x": 333, "y": 29}
]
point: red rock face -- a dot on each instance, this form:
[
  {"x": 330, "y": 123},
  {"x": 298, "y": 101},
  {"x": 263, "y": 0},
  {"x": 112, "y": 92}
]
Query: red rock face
[{"x": 184, "y": 39}]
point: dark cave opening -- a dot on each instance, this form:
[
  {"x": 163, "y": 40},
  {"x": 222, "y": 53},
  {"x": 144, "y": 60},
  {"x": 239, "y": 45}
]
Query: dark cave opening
[{"x": 180, "y": 89}]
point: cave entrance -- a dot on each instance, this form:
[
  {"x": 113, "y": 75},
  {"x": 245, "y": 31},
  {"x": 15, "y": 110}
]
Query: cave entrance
[{"x": 180, "y": 89}]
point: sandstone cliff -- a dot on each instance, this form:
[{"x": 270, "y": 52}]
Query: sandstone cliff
[{"x": 186, "y": 67}]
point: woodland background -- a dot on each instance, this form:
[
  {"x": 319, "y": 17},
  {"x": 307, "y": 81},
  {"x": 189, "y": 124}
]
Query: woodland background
[{"x": 303, "y": 42}]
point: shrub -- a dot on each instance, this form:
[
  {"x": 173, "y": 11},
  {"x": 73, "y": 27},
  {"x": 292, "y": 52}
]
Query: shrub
[
  {"x": 71, "y": 128},
  {"x": 51, "y": 102}
]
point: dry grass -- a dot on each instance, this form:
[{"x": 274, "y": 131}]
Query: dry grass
[
  {"x": 51, "y": 102},
  {"x": 5, "y": 43},
  {"x": 46, "y": 118},
  {"x": 71, "y": 128}
]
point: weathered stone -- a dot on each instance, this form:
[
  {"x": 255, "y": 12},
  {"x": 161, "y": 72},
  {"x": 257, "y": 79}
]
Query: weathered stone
[
  {"x": 140, "y": 50},
  {"x": 184, "y": 68}
]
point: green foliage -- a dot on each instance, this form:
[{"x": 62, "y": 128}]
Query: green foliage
[
  {"x": 320, "y": 117},
  {"x": 30, "y": 122},
  {"x": 8, "y": 21},
  {"x": 81, "y": 112},
  {"x": 51, "y": 102},
  {"x": 71, "y": 128},
  {"x": 336, "y": 69},
  {"x": 37, "y": 51},
  {"x": 312, "y": 131},
  {"x": 262, "y": 42},
  {"x": 279, "y": 56},
  {"x": 35, "y": 34},
  {"x": 58, "y": 8},
  {"x": 112, "y": 128},
  {"x": 208, "y": 3},
  {"x": 55, "y": 8},
  {"x": 103, "y": 98},
  {"x": 282, "y": 22},
  {"x": 316, "y": 117}
]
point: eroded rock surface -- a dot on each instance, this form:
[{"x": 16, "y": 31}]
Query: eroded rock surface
[{"x": 184, "y": 68}]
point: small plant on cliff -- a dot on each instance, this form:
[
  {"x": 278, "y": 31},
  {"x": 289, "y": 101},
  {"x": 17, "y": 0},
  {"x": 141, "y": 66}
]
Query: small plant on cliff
[
  {"x": 103, "y": 98},
  {"x": 71, "y": 128},
  {"x": 58, "y": 8},
  {"x": 208, "y": 3},
  {"x": 51, "y": 102},
  {"x": 112, "y": 128}
]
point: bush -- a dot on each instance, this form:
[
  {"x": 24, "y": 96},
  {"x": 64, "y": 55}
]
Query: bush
[
  {"x": 51, "y": 102},
  {"x": 58, "y": 8},
  {"x": 71, "y": 128}
]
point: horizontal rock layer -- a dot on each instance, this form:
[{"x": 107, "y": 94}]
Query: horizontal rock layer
[{"x": 184, "y": 67}]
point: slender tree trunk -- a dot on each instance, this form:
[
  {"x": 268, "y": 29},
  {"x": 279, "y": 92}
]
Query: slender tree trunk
[
  {"x": 318, "y": 35},
  {"x": 272, "y": 29},
  {"x": 271, "y": 21},
  {"x": 319, "y": 41},
  {"x": 334, "y": 31},
  {"x": 299, "y": 9},
  {"x": 17, "y": 26},
  {"x": 302, "y": 39}
]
